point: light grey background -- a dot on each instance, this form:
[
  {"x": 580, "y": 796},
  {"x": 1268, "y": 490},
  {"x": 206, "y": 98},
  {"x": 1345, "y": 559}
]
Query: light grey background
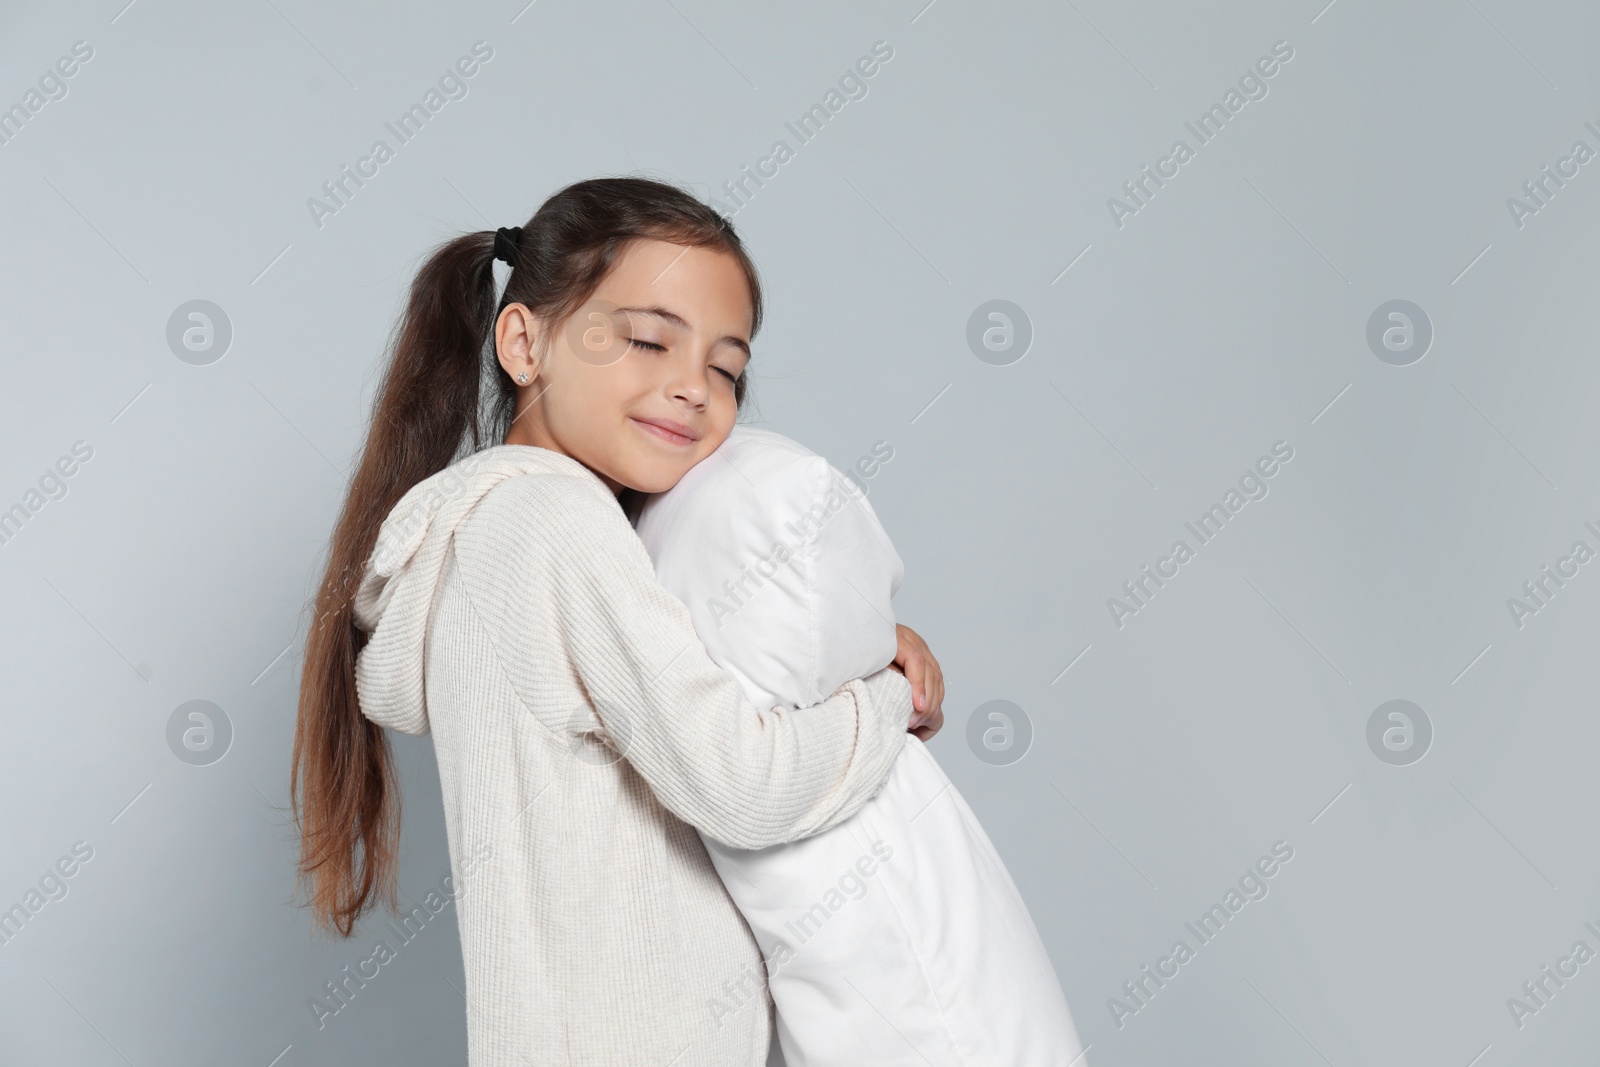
[{"x": 1229, "y": 313}]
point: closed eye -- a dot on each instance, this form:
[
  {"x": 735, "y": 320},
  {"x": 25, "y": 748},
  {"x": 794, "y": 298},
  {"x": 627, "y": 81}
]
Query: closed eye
[{"x": 662, "y": 348}]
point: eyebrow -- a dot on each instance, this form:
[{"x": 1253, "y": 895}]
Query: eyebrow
[{"x": 678, "y": 320}]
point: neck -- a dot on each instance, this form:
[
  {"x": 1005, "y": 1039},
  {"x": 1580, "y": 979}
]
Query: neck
[{"x": 522, "y": 435}]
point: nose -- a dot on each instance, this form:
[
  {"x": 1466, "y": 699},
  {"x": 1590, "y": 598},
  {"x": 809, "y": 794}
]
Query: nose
[{"x": 689, "y": 380}]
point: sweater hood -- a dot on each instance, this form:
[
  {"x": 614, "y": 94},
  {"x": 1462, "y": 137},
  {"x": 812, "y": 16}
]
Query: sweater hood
[{"x": 394, "y": 601}]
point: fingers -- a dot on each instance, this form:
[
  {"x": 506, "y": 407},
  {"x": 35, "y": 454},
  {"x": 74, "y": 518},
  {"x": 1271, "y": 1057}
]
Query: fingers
[
  {"x": 927, "y": 685},
  {"x": 926, "y": 730},
  {"x": 915, "y": 660},
  {"x": 932, "y": 681},
  {"x": 918, "y": 703},
  {"x": 932, "y": 687},
  {"x": 908, "y": 656}
]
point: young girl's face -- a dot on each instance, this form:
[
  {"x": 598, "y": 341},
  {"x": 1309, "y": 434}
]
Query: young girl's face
[{"x": 638, "y": 384}]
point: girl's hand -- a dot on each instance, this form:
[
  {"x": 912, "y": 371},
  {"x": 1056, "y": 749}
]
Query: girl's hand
[{"x": 913, "y": 659}]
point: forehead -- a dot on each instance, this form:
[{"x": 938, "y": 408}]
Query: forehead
[{"x": 705, "y": 287}]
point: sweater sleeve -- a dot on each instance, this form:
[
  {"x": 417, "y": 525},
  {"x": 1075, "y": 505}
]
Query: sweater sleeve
[{"x": 745, "y": 776}]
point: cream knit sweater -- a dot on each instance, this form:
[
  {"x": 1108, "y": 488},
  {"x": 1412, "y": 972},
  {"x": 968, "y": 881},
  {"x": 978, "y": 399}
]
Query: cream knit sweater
[{"x": 581, "y": 730}]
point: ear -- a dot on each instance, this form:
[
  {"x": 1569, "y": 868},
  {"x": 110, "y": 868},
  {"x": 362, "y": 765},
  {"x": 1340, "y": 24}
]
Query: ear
[{"x": 516, "y": 341}]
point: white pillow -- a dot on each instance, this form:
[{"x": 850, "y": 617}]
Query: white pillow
[
  {"x": 896, "y": 937},
  {"x": 783, "y": 564}
]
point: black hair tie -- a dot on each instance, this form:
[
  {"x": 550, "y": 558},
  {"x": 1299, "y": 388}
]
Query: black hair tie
[{"x": 506, "y": 241}]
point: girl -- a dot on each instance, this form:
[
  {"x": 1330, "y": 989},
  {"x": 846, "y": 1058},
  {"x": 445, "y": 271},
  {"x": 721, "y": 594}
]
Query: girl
[{"x": 500, "y": 599}]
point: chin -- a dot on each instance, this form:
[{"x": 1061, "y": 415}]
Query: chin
[{"x": 656, "y": 478}]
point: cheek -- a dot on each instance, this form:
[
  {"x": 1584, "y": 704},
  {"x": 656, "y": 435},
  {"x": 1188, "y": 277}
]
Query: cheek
[
  {"x": 719, "y": 423},
  {"x": 608, "y": 391}
]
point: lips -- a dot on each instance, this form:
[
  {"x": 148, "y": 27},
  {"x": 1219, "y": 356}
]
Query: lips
[{"x": 668, "y": 430}]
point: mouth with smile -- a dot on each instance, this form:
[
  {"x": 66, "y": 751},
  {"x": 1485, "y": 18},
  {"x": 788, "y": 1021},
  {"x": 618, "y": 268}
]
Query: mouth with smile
[{"x": 668, "y": 430}]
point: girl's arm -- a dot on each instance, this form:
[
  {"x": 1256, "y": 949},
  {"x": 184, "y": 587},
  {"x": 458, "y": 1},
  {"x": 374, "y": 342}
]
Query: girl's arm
[{"x": 746, "y": 776}]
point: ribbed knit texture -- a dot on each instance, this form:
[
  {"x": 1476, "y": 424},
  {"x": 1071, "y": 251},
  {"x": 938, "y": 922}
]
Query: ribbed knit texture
[{"x": 581, "y": 730}]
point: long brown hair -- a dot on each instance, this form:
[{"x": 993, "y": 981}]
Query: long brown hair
[{"x": 431, "y": 410}]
